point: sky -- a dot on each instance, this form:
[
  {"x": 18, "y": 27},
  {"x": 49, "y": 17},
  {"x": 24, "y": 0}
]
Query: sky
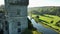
[{"x": 40, "y": 3}]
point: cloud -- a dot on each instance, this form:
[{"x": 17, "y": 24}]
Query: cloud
[
  {"x": 1, "y": 2},
  {"x": 36, "y": 3}
]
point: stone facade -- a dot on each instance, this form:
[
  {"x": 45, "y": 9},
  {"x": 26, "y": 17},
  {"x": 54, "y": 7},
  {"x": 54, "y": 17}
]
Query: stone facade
[
  {"x": 16, "y": 16},
  {"x": 2, "y": 20}
]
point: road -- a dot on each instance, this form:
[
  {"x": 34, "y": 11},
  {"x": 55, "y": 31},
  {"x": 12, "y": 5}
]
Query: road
[{"x": 41, "y": 28}]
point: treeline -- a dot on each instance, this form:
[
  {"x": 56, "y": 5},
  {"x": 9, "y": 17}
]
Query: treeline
[{"x": 45, "y": 10}]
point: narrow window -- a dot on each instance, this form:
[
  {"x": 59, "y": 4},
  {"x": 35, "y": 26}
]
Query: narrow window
[
  {"x": 18, "y": 12},
  {"x": 6, "y": 22},
  {"x": 19, "y": 23},
  {"x": 19, "y": 30},
  {"x": 6, "y": 28},
  {"x": 6, "y": 25}
]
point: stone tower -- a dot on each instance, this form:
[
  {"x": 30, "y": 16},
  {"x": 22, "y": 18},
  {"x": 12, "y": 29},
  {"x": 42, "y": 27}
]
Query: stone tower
[{"x": 16, "y": 16}]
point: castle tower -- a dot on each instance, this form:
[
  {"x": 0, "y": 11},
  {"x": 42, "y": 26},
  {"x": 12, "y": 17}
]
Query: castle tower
[{"x": 16, "y": 16}]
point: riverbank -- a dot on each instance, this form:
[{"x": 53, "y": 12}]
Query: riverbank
[
  {"x": 41, "y": 28},
  {"x": 47, "y": 26},
  {"x": 47, "y": 21}
]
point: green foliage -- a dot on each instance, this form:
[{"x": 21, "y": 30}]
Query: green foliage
[
  {"x": 45, "y": 10},
  {"x": 51, "y": 21},
  {"x": 37, "y": 16},
  {"x": 58, "y": 24},
  {"x": 2, "y": 9},
  {"x": 27, "y": 31}
]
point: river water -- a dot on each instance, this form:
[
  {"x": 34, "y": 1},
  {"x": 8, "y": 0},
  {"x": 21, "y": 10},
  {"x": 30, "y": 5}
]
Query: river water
[{"x": 41, "y": 28}]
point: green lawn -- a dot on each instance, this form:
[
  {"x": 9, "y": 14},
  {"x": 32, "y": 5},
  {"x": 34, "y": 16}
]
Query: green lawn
[
  {"x": 47, "y": 20},
  {"x": 54, "y": 18}
]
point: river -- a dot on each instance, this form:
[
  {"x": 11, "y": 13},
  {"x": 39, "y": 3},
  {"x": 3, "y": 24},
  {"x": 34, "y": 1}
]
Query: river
[{"x": 41, "y": 28}]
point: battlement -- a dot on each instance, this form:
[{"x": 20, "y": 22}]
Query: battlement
[{"x": 18, "y": 2}]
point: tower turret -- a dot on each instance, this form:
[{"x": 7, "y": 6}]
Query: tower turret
[{"x": 16, "y": 12}]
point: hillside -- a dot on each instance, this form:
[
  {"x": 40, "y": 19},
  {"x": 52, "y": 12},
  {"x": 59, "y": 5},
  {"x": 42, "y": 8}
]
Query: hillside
[
  {"x": 53, "y": 10},
  {"x": 47, "y": 16}
]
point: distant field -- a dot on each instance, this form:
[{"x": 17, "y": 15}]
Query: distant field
[{"x": 47, "y": 19}]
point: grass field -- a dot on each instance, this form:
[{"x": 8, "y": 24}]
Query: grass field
[{"x": 47, "y": 20}]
